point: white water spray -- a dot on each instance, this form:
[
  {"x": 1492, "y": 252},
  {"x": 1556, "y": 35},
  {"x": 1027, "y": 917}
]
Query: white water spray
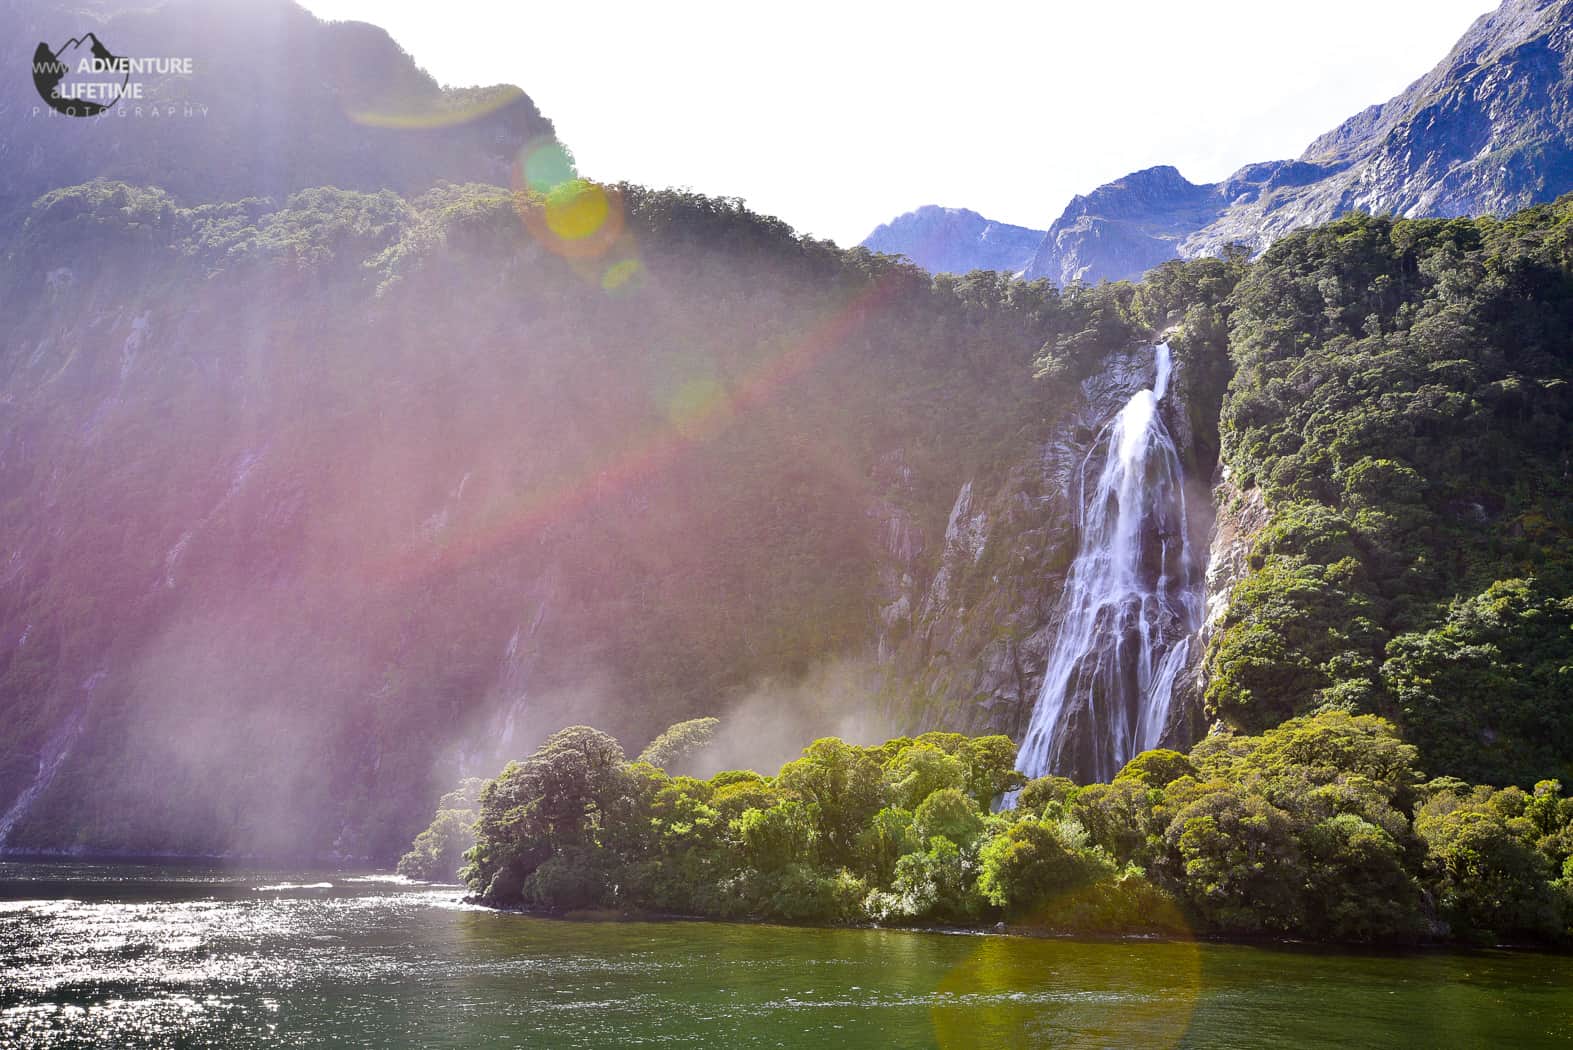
[{"x": 1131, "y": 605}]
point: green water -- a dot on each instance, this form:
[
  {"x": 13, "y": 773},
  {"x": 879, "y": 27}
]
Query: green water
[{"x": 130, "y": 956}]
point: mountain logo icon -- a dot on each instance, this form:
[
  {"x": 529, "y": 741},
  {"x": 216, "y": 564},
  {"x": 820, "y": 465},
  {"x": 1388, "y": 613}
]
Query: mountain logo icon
[{"x": 74, "y": 87}]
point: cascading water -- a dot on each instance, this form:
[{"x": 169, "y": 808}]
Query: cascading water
[
  {"x": 1132, "y": 602},
  {"x": 50, "y": 759}
]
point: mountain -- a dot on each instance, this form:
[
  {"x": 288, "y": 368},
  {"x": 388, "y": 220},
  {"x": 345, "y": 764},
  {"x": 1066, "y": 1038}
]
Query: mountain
[
  {"x": 317, "y": 499},
  {"x": 278, "y": 101},
  {"x": 1487, "y": 132},
  {"x": 316, "y": 505},
  {"x": 1127, "y": 227},
  {"x": 955, "y": 240}
]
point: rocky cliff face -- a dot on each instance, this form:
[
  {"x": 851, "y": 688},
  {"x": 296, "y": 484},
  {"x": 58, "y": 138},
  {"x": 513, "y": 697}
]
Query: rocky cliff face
[
  {"x": 1238, "y": 516},
  {"x": 1487, "y": 132},
  {"x": 955, "y": 240},
  {"x": 1125, "y": 227},
  {"x": 970, "y": 644},
  {"x": 315, "y": 507}
]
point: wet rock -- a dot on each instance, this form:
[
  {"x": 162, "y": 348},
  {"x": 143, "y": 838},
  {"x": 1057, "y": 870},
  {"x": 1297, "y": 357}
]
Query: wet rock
[
  {"x": 1240, "y": 516},
  {"x": 985, "y": 623}
]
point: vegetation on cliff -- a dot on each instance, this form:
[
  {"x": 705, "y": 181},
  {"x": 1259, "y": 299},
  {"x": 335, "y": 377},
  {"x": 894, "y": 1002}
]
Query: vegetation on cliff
[
  {"x": 1404, "y": 400},
  {"x": 1400, "y": 393}
]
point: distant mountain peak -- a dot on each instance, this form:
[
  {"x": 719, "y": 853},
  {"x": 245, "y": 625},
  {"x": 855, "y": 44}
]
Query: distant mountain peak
[
  {"x": 955, "y": 240},
  {"x": 1489, "y": 130}
]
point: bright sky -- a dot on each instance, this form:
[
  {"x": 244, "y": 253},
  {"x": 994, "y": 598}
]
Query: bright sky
[{"x": 837, "y": 116}]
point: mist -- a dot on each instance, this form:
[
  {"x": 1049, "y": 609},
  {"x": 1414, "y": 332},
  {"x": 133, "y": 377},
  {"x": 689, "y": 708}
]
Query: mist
[{"x": 772, "y": 723}]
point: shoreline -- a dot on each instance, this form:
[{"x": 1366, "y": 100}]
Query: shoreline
[
  {"x": 306, "y": 861},
  {"x": 614, "y": 915},
  {"x": 1016, "y": 930}
]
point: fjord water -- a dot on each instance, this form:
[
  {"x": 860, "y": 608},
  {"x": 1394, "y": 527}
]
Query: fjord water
[
  {"x": 134, "y": 956},
  {"x": 1132, "y": 601}
]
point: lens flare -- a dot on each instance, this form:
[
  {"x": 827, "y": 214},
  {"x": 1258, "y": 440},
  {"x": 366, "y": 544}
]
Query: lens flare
[
  {"x": 700, "y": 409},
  {"x": 543, "y": 165},
  {"x": 576, "y": 211},
  {"x": 641, "y": 459},
  {"x": 579, "y": 220},
  {"x": 621, "y": 274},
  {"x": 455, "y": 108},
  {"x": 576, "y": 219},
  {"x": 1007, "y": 994}
]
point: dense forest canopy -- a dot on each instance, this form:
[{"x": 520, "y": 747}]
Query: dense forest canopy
[
  {"x": 1402, "y": 398},
  {"x": 1321, "y": 828}
]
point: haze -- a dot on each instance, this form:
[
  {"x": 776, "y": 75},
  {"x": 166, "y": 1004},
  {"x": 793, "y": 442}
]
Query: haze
[{"x": 838, "y": 116}]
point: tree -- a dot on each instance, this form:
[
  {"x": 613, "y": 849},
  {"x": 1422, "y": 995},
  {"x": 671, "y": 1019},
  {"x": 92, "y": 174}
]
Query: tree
[
  {"x": 1027, "y": 867},
  {"x": 1487, "y": 691},
  {"x": 951, "y": 814},
  {"x": 920, "y": 770},
  {"x": 1119, "y": 818},
  {"x": 680, "y": 741},
  {"x": 1038, "y": 795},
  {"x": 1490, "y": 882},
  {"x": 781, "y": 835},
  {"x": 889, "y": 837},
  {"x": 438, "y": 851},
  {"x": 1360, "y": 888},
  {"x": 1157, "y": 768},
  {"x": 991, "y": 772},
  {"x": 845, "y": 785},
  {"x": 557, "y": 798},
  {"x": 1238, "y": 861},
  {"x": 935, "y": 884}
]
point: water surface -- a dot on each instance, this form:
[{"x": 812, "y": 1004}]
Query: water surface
[{"x": 140, "y": 956}]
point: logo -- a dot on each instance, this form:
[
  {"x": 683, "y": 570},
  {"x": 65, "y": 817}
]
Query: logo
[
  {"x": 91, "y": 90},
  {"x": 83, "y": 78}
]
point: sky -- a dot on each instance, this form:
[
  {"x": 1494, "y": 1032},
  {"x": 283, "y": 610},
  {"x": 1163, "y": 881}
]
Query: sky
[{"x": 838, "y": 116}]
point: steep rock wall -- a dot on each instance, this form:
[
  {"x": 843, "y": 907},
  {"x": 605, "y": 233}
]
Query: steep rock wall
[{"x": 967, "y": 647}]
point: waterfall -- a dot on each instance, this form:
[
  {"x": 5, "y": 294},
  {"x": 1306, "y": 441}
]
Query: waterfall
[
  {"x": 1132, "y": 602},
  {"x": 50, "y": 758}
]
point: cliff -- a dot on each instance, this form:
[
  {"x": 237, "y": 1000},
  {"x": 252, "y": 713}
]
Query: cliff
[{"x": 971, "y": 651}]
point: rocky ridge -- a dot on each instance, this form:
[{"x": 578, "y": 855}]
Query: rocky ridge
[
  {"x": 1487, "y": 132},
  {"x": 955, "y": 240}
]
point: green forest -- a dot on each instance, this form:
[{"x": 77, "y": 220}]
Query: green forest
[
  {"x": 1402, "y": 397},
  {"x": 1398, "y": 655},
  {"x": 1320, "y": 828}
]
